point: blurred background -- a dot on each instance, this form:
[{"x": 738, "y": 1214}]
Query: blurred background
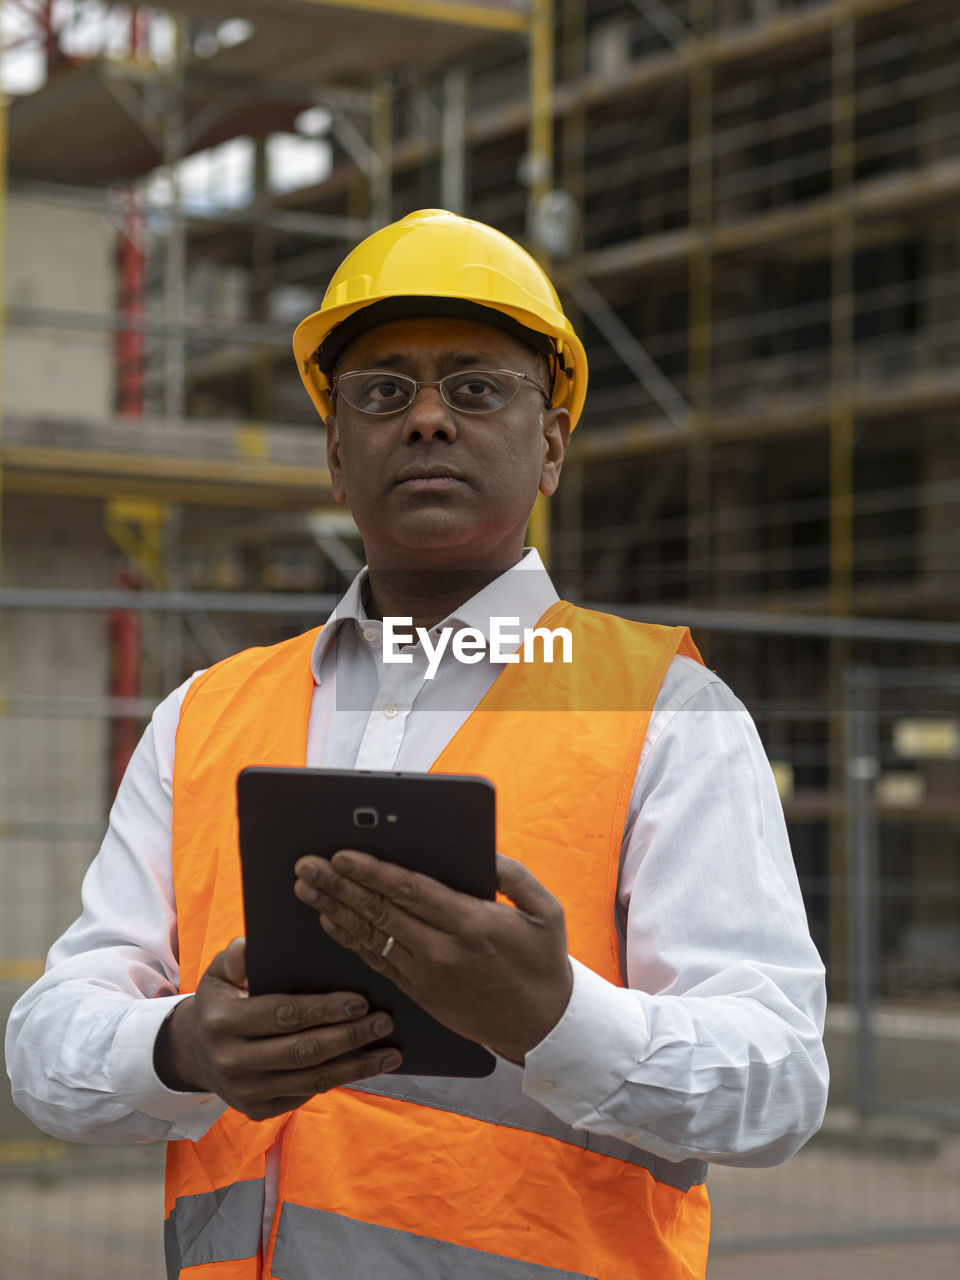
[{"x": 750, "y": 208}]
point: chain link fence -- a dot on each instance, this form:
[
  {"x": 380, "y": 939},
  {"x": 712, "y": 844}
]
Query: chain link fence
[{"x": 868, "y": 763}]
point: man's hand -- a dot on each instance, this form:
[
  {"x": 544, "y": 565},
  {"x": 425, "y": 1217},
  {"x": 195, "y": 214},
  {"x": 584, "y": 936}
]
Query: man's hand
[
  {"x": 264, "y": 1055},
  {"x": 497, "y": 974}
]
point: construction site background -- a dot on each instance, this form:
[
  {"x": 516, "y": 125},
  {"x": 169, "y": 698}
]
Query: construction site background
[{"x": 750, "y": 208}]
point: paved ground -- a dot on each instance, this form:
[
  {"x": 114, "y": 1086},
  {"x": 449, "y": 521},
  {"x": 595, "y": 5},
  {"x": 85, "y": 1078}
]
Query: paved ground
[
  {"x": 833, "y": 1213},
  {"x": 874, "y": 1262}
]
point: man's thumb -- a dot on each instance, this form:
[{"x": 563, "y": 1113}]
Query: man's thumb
[
  {"x": 234, "y": 968},
  {"x": 523, "y": 888}
]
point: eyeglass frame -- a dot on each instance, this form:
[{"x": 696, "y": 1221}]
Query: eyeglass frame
[{"x": 438, "y": 383}]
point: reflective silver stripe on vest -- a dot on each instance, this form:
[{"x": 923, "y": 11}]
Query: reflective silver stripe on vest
[
  {"x": 312, "y": 1243},
  {"x": 216, "y": 1226},
  {"x": 499, "y": 1099}
]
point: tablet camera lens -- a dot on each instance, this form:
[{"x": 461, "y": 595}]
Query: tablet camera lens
[{"x": 365, "y": 817}]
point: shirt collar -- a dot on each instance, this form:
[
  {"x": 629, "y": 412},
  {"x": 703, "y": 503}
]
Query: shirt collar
[{"x": 523, "y": 591}]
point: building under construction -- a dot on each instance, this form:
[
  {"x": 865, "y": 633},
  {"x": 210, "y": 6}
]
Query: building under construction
[{"x": 750, "y": 208}]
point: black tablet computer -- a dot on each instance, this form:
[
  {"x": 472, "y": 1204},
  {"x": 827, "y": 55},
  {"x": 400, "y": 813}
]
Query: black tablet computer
[{"x": 439, "y": 824}]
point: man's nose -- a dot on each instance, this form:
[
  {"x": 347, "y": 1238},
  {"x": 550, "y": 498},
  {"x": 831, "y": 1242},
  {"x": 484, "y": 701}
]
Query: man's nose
[{"x": 429, "y": 417}]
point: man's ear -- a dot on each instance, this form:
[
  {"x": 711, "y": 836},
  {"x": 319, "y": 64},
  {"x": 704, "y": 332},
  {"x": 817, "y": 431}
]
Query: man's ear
[
  {"x": 556, "y": 437},
  {"x": 333, "y": 458}
]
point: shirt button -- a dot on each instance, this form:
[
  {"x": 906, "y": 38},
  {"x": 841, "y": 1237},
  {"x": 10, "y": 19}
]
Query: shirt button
[
  {"x": 546, "y": 1086},
  {"x": 390, "y": 711},
  {"x": 369, "y": 634}
]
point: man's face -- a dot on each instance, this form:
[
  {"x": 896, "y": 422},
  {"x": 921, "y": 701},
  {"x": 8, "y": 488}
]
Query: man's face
[{"x": 433, "y": 488}]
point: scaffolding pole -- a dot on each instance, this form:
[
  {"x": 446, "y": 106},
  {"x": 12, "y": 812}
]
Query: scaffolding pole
[
  {"x": 261, "y": 278},
  {"x": 699, "y": 582},
  {"x": 862, "y": 770},
  {"x": 3, "y": 249},
  {"x": 381, "y": 155},
  {"x": 573, "y": 162},
  {"x": 540, "y": 173},
  {"x": 175, "y": 266},
  {"x": 841, "y": 446},
  {"x": 453, "y": 144}
]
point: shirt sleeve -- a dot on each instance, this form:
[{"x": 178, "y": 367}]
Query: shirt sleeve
[
  {"x": 714, "y": 1049},
  {"x": 79, "y": 1043}
]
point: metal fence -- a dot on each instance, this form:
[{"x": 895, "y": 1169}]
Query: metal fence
[{"x": 862, "y": 727}]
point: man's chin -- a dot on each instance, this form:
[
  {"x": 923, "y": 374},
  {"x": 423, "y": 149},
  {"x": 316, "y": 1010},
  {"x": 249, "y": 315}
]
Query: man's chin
[{"x": 439, "y": 543}]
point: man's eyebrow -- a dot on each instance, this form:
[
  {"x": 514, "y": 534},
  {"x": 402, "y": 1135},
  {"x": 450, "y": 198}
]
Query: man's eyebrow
[
  {"x": 385, "y": 362},
  {"x": 479, "y": 359},
  {"x": 459, "y": 359}
]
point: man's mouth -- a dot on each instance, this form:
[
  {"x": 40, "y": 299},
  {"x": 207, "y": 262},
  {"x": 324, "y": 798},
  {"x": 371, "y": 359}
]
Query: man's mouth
[{"x": 430, "y": 479}]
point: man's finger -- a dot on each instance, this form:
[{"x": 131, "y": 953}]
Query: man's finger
[
  {"x": 296, "y": 1055},
  {"x": 340, "y": 1071},
  {"x": 272, "y": 1015},
  {"x": 277, "y": 1015},
  {"x": 391, "y": 960},
  {"x": 412, "y": 892}
]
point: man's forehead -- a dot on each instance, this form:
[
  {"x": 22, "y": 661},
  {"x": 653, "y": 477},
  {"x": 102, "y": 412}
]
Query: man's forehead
[{"x": 445, "y": 340}]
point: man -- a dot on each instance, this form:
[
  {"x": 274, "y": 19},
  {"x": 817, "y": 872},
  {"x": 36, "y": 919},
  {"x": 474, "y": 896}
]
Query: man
[{"x": 646, "y": 980}]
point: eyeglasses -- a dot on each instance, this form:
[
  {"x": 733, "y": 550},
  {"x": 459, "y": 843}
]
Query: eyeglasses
[{"x": 380, "y": 392}]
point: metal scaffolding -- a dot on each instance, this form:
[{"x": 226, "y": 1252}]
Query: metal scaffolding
[{"x": 750, "y": 211}]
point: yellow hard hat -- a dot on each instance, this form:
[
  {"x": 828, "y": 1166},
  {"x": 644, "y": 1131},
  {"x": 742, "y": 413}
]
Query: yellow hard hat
[{"x": 436, "y": 263}]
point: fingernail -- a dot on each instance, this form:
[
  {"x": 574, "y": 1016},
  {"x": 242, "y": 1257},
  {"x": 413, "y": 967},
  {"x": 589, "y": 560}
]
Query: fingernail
[
  {"x": 383, "y": 1025},
  {"x": 390, "y": 1061},
  {"x": 354, "y": 1008},
  {"x": 307, "y": 891}
]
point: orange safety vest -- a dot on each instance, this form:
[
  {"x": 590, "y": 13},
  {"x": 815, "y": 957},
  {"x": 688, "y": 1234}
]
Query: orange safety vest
[{"x": 422, "y": 1178}]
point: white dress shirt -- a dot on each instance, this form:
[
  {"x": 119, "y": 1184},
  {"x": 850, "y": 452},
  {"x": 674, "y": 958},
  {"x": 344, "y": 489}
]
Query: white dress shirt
[{"x": 714, "y": 1049}]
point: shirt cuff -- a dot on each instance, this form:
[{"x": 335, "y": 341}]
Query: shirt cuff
[
  {"x": 136, "y": 1082},
  {"x": 595, "y": 1045}
]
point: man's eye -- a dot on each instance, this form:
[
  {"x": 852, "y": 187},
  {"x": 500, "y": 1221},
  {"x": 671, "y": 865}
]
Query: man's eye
[
  {"x": 385, "y": 390},
  {"x": 475, "y": 384}
]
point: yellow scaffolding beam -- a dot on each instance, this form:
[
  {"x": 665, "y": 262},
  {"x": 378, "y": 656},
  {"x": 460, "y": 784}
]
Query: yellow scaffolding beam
[
  {"x": 135, "y": 526},
  {"x": 481, "y": 16}
]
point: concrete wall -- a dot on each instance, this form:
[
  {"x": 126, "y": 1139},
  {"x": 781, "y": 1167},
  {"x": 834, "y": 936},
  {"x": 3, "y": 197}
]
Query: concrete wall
[
  {"x": 54, "y": 763},
  {"x": 57, "y": 259}
]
